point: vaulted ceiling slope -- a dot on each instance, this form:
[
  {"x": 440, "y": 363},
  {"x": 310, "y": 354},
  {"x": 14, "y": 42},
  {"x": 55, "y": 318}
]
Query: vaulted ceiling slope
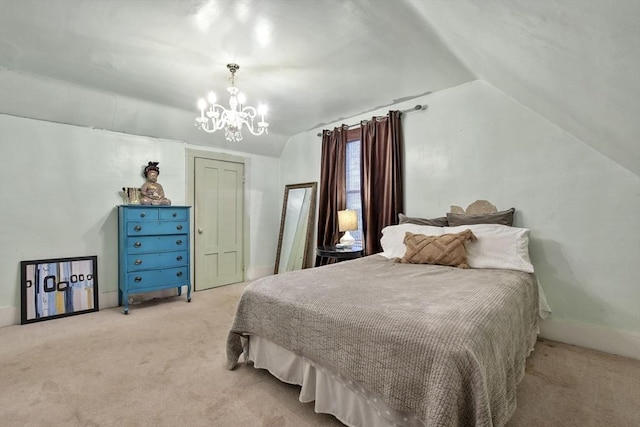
[
  {"x": 576, "y": 63},
  {"x": 135, "y": 66}
]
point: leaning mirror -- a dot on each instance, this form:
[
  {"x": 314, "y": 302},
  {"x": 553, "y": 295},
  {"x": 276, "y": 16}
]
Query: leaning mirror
[{"x": 296, "y": 222}]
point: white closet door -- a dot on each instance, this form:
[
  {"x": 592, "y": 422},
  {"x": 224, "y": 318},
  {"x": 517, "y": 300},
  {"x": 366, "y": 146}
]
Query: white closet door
[{"x": 218, "y": 216}]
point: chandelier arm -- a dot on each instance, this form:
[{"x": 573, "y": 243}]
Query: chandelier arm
[
  {"x": 218, "y": 123},
  {"x": 259, "y": 132},
  {"x": 252, "y": 112},
  {"x": 262, "y": 126},
  {"x": 206, "y": 128},
  {"x": 230, "y": 117}
]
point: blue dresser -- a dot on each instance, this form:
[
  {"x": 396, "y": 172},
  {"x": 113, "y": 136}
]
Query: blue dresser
[{"x": 153, "y": 250}]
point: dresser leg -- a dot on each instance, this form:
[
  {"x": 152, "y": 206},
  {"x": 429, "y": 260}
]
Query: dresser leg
[{"x": 125, "y": 302}]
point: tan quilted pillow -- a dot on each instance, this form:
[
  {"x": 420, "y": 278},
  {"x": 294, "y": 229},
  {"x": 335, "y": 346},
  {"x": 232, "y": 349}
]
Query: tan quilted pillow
[{"x": 447, "y": 249}]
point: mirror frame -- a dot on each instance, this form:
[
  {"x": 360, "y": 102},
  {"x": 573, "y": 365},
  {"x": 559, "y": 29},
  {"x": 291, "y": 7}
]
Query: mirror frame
[{"x": 310, "y": 221}]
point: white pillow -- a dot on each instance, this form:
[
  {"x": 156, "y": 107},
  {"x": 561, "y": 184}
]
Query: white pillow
[
  {"x": 498, "y": 246},
  {"x": 392, "y": 240}
]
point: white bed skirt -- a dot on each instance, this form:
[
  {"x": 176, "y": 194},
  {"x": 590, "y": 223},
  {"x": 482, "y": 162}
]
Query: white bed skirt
[{"x": 330, "y": 393}]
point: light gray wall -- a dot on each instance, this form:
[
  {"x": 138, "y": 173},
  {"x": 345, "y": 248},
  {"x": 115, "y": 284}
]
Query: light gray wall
[
  {"x": 60, "y": 185},
  {"x": 474, "y": 142},
  {"x": 59, "y": 188}
]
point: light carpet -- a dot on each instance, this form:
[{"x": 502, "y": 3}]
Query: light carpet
[{"x": 164, "y": 365}]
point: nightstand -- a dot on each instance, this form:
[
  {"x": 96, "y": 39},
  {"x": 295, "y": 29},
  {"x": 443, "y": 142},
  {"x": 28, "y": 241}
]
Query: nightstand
[{"x": 324, "y": 253}]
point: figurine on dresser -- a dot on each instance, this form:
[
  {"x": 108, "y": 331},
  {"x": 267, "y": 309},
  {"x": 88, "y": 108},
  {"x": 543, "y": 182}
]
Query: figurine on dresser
[{"x": 152, "y": 191}]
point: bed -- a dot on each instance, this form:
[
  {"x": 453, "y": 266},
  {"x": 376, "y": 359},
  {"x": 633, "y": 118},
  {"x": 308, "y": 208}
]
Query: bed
[{"x": 378, "y": 342}]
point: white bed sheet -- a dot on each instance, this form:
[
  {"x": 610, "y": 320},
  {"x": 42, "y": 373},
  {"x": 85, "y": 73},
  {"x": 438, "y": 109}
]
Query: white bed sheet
[{"x": 318, "y": 384}]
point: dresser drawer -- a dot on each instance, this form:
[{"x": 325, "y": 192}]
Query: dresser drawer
[
  {"x": 155, "y": 278},
  {"x": 139, "y": 262},
  {"x": 146, "y": 244},
  {"x": 141, "y": 213},
  {"x": 150, "y": 228},
  {"x": 173, "y": 214}
]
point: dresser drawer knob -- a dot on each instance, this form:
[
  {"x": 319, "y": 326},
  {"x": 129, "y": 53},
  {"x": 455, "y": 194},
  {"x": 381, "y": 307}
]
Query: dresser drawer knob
[
  {"x": 178, "y": 242},
  {"x": 174, "y": 215},
  {"x": 138, "y": 279},
  {"x": 138, "y": 262},
  {"x": 179, "y": 274},
  {"x": 179, "y": 258},
  {"x": 137, "y": 244},
  {"x": 137, "y": 228},
  {"x": 142, "y": 215},
  {"x": 179, "y": 227}
]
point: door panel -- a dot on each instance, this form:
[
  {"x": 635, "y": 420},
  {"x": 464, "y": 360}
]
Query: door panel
[{"x": 218, "y": 216}]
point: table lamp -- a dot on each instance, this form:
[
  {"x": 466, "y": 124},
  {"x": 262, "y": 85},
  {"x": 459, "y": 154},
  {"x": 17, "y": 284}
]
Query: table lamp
[{"x": 347, "y": 221}]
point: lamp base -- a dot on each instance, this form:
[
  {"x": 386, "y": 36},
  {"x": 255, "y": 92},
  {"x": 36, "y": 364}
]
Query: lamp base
[{"x": 347, "y": 240}]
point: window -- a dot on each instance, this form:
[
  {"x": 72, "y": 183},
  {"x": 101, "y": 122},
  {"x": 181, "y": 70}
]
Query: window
[{"x": 354, "y": 199}]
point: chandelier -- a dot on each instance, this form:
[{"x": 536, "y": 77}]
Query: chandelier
[{"x": 214, "y": 117}]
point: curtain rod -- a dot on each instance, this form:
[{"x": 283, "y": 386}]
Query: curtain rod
[{"x": 416, "y": 108}]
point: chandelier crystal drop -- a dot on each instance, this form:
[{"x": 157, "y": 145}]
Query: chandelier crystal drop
[{"x": 214, "y": 117}]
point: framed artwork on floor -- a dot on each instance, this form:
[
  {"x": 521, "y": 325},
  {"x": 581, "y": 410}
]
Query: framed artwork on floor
[{"x": 60, "y": 287}]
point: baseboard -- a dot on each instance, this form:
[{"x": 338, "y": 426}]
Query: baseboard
[{"x": 590, "y": 336}]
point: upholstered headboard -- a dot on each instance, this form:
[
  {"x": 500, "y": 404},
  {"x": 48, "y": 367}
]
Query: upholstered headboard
[{"x": 479, "y": 212}]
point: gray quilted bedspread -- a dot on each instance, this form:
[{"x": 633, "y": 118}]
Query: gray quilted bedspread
[{"x": 427, "y": 345}]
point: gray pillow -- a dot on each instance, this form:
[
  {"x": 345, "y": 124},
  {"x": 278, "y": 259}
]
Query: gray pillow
[
  {"x": 502, "y": 217},
  {"x": 436, "y": 222}
]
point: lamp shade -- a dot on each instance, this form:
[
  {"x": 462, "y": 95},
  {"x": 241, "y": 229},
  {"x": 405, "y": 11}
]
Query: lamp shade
[{"x": 347, "y": 220}]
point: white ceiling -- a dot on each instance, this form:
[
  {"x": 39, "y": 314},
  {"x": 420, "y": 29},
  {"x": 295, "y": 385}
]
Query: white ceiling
[{"x": 577, "y": 63}]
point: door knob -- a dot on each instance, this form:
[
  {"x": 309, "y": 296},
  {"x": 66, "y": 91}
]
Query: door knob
[{"x": 200, "y": 231}]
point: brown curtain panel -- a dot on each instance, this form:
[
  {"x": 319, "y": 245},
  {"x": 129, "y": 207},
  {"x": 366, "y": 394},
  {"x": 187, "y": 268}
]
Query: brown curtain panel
[
  {"x": 381, "y": 177},
  {"x": 333, "y": 196}
]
